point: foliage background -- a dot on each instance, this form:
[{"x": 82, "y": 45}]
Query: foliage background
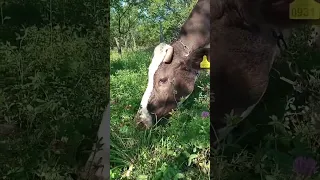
[
  {"x": 54, "y": 85},
  {"x": 140, "y": 23}
]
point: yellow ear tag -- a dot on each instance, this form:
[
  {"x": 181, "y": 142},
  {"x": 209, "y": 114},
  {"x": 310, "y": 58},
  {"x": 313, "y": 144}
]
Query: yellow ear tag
[
  {"x": 304, "y": 9},
  {"x": 205, "y": 64}
]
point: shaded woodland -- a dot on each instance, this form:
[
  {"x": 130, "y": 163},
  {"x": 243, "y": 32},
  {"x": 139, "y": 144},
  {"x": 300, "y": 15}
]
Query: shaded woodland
[{"x": 55, "y": 63}]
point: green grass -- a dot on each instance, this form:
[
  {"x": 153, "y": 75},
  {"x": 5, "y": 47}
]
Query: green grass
[
  {"x": 178, "y": 150},
  {"x": 53, "y": 93}
]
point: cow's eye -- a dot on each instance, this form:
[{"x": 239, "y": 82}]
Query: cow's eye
[{"x": 163, "y": 80}]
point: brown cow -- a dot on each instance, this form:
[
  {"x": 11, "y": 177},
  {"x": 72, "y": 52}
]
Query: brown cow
[
  {"x": 244, "y": 45},
  {"x": 174, "y": 68}
]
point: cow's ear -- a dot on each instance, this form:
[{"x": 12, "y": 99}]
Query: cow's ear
[
  {"x": 196, "y": 57},
  {"x": 169, "y": 53}
]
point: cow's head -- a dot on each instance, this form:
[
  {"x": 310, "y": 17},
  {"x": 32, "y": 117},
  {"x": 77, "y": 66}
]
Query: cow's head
[
  {"x": 173, "y": 70},
  {"x": 171, "y": 76}
]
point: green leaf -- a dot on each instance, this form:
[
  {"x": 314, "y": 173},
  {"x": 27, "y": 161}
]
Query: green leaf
[
  {"x": 142, "y": 177},
  {"x": 293, "y": 107},
  {"x": 179, "y": 176},
  {"x": 7, "y": 17},
  {"x": 191, "y": 157},
  {"x": 29, "y": 108},
  {"x": 282, "y": 159}
]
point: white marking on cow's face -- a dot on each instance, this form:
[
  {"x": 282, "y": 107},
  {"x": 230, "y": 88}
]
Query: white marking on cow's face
[{"x": 158, "y": 55}]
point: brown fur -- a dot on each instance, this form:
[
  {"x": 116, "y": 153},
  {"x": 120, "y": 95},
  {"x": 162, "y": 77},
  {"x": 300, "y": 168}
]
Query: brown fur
[
  {"x": 243, "y": 49},
  {"x": 242, "y": 55}
]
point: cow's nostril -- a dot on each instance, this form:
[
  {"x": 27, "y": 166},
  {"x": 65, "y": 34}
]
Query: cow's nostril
[
  {"x": 150, "y": 108},
  {"x": 141, "y": 125},
  {"x": 144, "y": 124},
  {"x": 143, "y": 119}
]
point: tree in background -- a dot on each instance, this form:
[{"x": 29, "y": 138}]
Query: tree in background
[{"x": 141, "y": 23}]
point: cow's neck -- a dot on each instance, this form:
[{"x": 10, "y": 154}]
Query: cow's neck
[
  {"x": 195, "y": 32},
  {"x": 194, "y": 42}
]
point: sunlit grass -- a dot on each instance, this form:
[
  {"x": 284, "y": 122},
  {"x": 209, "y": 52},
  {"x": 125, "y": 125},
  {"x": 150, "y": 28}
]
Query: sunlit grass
[{"x": 165, "y": 152}]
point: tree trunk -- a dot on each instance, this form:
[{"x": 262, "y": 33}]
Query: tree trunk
[
  {"x": 118, "y": 45},
  {"x": 126, "y": 42},
  {"x": 134, "y": 41}
]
